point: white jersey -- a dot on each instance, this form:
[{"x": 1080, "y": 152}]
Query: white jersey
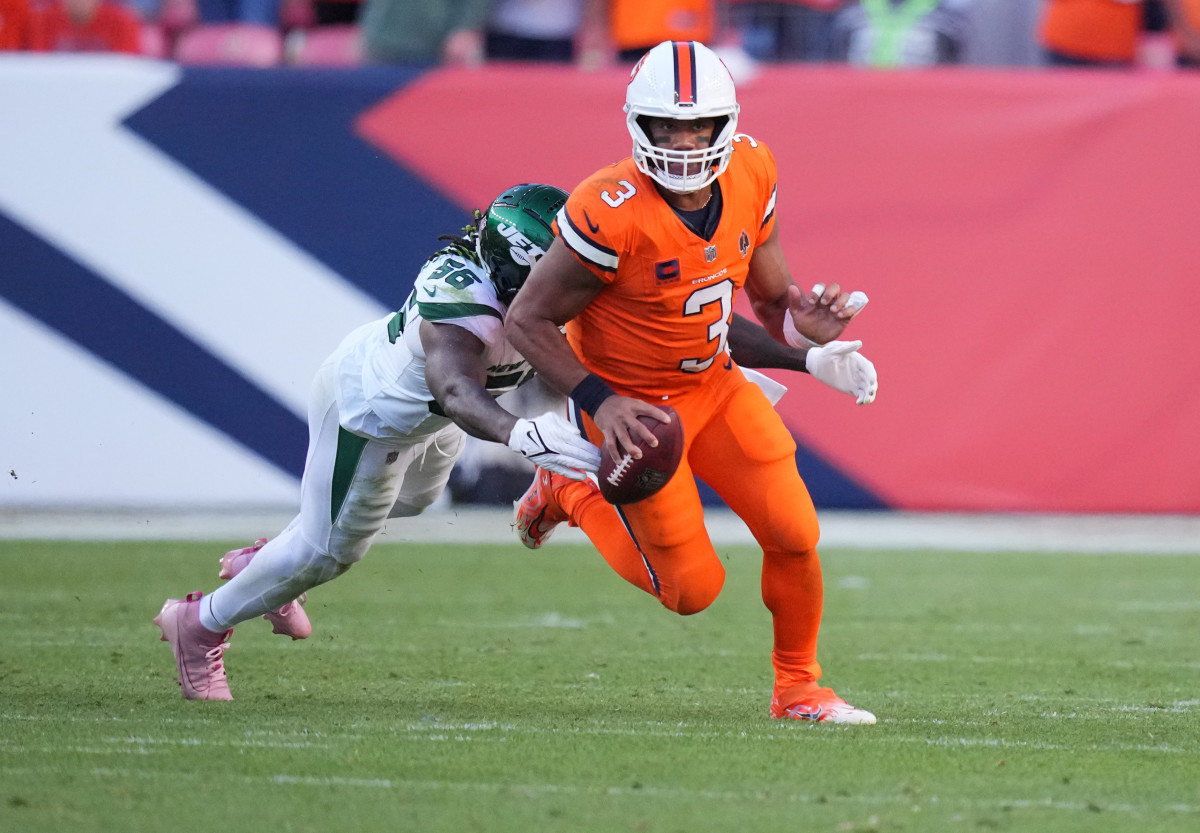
[{"x": 381, "y": 365}]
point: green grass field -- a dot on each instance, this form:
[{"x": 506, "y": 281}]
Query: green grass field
[{"x": 470, "y": 688}]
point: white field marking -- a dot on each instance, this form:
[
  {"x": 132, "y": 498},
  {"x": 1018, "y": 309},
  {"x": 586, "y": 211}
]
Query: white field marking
[
  {"x": 1044, "y": 746},
  {"x": 1083, "y": 629},
  {"x": 303, "y": 732},
  {"x": 141, "y": 746},
  {"x": 79, "y": 750},
  {"x": 1094, "y": 712},
  {"x": 61, "y": 719},
  {"x": 1112, "y": 703},
  {"x": 1177, "y": 707},
  {"x": 551, "y": 619},
  {"x": 288, "y": 728},
  {"x": 781, "y": 731},
  {"x": 1159, "y": 607},
  {"x": 988, "y": 742},
  {"x": 333, "y": 781},
  {"x": 1051, "y": 804},
  {"x": 648, "y": 791},
  {"x": 249, "y": 744},
  {"x": 1033, "y": 661}
]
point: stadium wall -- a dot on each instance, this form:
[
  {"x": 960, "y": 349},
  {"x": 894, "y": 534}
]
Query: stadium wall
[{"x": 179, "y": 248}]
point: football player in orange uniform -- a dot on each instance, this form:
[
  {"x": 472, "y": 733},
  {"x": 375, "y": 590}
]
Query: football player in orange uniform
[{"x": 650, "y": 255}]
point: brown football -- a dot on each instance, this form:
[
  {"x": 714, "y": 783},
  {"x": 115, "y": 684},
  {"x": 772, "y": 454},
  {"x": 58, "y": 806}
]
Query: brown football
[{"x": 630, "y": 480}]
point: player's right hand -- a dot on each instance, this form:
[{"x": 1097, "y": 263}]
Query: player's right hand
[
  {"x": 624, "y": 433},
  {"x": 554, "y": 444}
]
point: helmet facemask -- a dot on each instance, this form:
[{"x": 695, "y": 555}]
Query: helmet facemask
[{"x": 682, "y": 171}]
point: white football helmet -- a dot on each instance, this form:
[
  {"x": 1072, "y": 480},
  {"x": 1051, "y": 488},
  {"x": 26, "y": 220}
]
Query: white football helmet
[{"x": 682, "y": 80}]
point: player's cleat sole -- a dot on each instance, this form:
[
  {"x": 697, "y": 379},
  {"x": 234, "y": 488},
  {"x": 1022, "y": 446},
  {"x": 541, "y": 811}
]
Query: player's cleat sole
[
  {"x": 289, "y": 620},
  {"x": 199, "y": 652},
  {"x": 823, "y": 706}
]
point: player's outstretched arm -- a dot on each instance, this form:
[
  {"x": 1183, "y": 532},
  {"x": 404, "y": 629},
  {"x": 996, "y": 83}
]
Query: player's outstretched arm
[
  {"x": 456, "y": 373},
  {"x": 837, "y": 364},
  {"x": 752, "y": 346}
]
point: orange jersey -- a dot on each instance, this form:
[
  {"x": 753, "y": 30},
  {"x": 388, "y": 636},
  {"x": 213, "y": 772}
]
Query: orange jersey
[
  {"x": 662, "y": 321},
  {"x": 1103, "y": 30},
  {"x": 638, "y": 24}
]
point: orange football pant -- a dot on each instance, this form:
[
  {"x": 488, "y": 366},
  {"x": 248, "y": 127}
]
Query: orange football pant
[{"x": 737, "y": 444}]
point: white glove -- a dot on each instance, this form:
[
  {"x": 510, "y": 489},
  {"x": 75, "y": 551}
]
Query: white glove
[
  {"x": 840, "y": 365},
  {"x": 554, "y": 444}
]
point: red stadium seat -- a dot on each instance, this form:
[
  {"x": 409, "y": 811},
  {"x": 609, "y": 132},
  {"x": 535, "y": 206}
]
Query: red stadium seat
[
  {"x": 175, "y": 16},
  {"x": 230, "y": 44},
  {"x": 296, "y": 14},
  {"x": 153, "y": 41},
  {"x": 326, "y": 46}
]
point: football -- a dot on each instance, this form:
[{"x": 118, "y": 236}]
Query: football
[{"x": 630, "y": 480}]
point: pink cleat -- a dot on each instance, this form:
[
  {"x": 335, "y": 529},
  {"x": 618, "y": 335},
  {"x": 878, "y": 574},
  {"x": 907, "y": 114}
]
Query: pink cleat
[
  {"x": 289, "y": 620},
  {"x": 199, "y": 652}
]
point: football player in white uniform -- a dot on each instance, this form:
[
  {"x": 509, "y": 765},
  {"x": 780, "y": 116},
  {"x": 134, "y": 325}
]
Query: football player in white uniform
[{"x": 388, "y": 417}]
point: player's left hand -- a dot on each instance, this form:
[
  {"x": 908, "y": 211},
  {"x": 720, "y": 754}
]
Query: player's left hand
[
  {"x": 820, "y": 316},
  {"x": 554, "y": 444}
]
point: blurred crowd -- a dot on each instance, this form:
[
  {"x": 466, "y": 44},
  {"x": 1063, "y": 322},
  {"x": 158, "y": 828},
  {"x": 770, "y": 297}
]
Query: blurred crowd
[{"x": 1161, "y": 34}]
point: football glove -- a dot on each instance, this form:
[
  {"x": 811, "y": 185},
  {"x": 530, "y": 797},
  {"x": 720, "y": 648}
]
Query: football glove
[
  {"x": 840, "y": 365},
  {"x": 554, "y": 444}
]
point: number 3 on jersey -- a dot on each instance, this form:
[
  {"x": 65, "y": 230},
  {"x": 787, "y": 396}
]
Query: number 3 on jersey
[
  {"x": 718, "y": 331},
  {"x": 625, "y": 193}
]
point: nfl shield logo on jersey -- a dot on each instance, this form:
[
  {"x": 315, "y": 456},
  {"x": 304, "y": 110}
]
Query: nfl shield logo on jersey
[{"x": 710, "y": 253}]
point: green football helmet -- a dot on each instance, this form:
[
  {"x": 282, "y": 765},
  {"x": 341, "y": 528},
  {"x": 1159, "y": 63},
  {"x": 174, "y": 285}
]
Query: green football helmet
[{"x": 515, "y": 231}]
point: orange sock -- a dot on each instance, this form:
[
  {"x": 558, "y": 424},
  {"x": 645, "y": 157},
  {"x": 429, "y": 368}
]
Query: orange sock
[
  {"x": 792, "y": 590},
  {"x": 603, "y": 526}
]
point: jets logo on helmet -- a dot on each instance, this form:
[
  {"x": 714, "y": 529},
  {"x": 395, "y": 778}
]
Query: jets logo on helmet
[
  {"x": 523, "y": 250},
  {"x": 682, "y": 80},
  {"x": 515, "y": 231}
]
